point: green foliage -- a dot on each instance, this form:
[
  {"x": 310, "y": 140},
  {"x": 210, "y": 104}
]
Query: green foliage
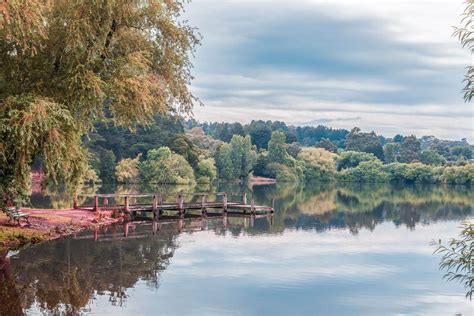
[
  {"x": 282, "y": 173},
  {"x": 293, "y": 149},
  {"x": 431, "y": 157},
  {"x": 311, "y": 136},
  {"x": 128, "y": 170},
  {"x": 103, "y": 162},
  {"x": 37, "y": 127},
  {"x": 184, "y": 146},
  {"x": 419, "y": 173},
  {"x": 225, "y": 131},
  {"x": 328, "y": 145},
  {"x": 260, "y": 132},
  {"x": 461, "y": 151},
  {"x": 351, "y": 159},
  {"x": 206, "y": 171},
  {"x": 129, "y": 144},
  {"x": 244, "y": 155},
  {"x": 236, "y": 159},
  {"x": 458, "y": 174},
  {"x": 225, "y": 163},
  {"x": 277, "y": 163},
  {"x": 397, "y": 171},
  {"x": 391, "y": 152},
  {"x": 204, "y": 142},
  {"x": 410, "y": 149},
  {"x": 260, "y": 168},
  {"x": 66, "y": 64},
  {"x": 318, "y": 163},
  {"x": 164, "y": 167},
  {"x": 260, "y": 135},
  {"x": 465, "y": 34},
  {"x": 366, "y": 171},
  {"x": 277, "y": 149},
  {"x": 458, "y": 258},
  {"x": 364, "y": 142}
]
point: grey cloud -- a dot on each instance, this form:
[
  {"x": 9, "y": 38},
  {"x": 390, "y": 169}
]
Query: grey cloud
[{"x": 300, "y": 56}]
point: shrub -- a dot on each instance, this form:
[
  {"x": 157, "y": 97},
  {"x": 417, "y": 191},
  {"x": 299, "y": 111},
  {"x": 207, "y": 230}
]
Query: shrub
[
  {"x": 128, "y": 170},
  {"x": 206, "y": 171},
  {"x": 458, "y": 174},
  {"x": 351, "y": 159},
  {"x": 260, "y": 168},
  {"x": 318, "y": 163},
  {"x": 164, "y": 167},
  {"x": 419, "y": 173},
  {"x": 282, "y": 173},
  {"x": 366, "y": 171},
  {"x": 396, "y": 171}
]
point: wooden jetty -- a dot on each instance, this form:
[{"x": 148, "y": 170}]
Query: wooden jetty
[{"x": 178, "y": 204}]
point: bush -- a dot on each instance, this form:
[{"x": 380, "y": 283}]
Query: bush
[
  {"x": 396, "y": 171},
  {"x": 318, "y": 163},
  {"x": 206, "y": 171},
  {"x": 128, "y": 170},
  {"x": 260, "y": 168},
  {"x": 366, "y": 171},
  {"x": 351, "y": 159},
  {"x": 282, "y": 173},
  {"x": 164, "y": 167},
  {"x": 419, "y": 173},
  {"x": 458, "y": 174}
]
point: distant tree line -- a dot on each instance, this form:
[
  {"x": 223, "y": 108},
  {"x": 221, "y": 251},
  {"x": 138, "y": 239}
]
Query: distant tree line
[{"x": 172, "y": 150}]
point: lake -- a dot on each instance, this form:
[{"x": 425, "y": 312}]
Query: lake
[{"x": 328, "y": 250}]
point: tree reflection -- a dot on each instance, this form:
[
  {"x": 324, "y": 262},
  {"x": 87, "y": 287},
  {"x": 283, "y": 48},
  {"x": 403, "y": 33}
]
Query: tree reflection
[
  {"x": 10, "y": 302},
  {"x": 322, "y": 206},
  {"x": 63, "y": 276}
]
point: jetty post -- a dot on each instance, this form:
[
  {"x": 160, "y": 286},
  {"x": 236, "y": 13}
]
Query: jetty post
[
  {"x": 96, "y": 203},
  {"x": 181, "y": 204},
  {"x": 127, "y": 203},
  {"x": 75, "y": 203},
  {"x": 203, "y": 205},
  {"x": 244, "y": 198},
  {"x": 154, "y": 206},
  {"x": 224, "y": 202}
]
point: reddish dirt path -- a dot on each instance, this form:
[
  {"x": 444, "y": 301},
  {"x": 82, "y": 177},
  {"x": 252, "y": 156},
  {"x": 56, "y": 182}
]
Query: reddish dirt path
[{"x": 47, "y": 224}]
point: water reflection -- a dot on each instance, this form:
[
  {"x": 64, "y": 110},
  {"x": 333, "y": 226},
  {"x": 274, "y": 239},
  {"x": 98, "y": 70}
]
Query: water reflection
[{"x": 67, "y": 276}]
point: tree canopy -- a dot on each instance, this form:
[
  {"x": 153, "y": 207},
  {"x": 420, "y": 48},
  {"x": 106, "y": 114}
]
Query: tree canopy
[{"x": 65, "y": 64}]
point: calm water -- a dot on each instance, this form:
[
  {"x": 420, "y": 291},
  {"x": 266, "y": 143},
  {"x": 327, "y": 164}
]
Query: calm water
[{"x": 328, "y": 250}]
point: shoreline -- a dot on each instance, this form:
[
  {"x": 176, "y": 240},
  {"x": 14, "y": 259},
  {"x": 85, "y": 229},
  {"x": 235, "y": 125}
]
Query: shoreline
[{"x": 49, "y": 224}]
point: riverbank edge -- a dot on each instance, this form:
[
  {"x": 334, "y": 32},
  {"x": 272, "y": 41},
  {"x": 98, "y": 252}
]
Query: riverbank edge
[{"x": 47, "y": 225}]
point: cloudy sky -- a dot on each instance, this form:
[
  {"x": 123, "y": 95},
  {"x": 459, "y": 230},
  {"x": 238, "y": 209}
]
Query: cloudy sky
[{"x": 384, "y": 65}]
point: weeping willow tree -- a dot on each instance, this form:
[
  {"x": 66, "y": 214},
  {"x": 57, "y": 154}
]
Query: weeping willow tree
[
  {"x": 465, "y": 34},
  {"x": 64, "y": 64},
  {"x": 458, "y": 258}
]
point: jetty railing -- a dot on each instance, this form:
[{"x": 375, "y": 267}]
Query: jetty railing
[{"x": 181, "y": 203}]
